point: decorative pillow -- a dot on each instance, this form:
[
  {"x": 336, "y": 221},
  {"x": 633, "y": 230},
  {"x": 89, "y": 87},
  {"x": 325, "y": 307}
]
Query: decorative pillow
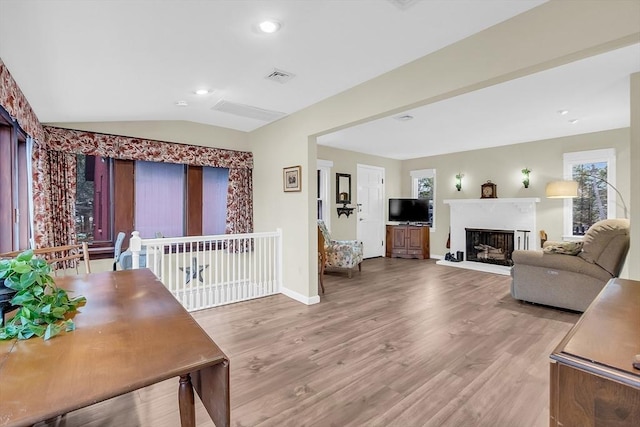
[{"x": 564, "y": 248}]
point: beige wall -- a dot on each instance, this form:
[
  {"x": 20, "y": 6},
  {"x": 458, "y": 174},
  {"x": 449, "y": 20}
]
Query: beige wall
[
  {"x": 345, "y": 161},
  {"x": 552, "y": 34},
  {"x": 169, "y": 131},
  {"x": 503, "y": 165},
  {"x": 633, "y": 260}
]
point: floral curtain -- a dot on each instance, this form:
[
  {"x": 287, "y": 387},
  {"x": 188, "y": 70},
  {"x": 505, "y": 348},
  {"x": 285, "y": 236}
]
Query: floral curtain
[
  {"x": 239, "y": 163},
  {"x": 240, "y": 201},
  {"x": 13, "y": 100},
  {"x": 127, "y": 148},
  {"x": 62, "y": 197},
  {"x": 240, "y": 208},
  {"x": 53, "y": 161}
]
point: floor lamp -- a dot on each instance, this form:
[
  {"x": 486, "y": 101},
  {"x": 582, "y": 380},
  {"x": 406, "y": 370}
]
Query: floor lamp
[{"x": 569, "y": 190}]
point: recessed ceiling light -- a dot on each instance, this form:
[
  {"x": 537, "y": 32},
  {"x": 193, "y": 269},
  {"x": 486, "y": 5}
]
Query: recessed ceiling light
[
  {"x": 269, "y": 26},
  {"x": 202, "y": 91},
  {"x": 181, "y": 103},
  {"x": 574, "y": 121},
  {"x": 563, "y": 112}
]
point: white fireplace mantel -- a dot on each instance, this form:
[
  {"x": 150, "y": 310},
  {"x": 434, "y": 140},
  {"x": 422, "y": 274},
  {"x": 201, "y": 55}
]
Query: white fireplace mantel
[{"x": 517, "y": 214}]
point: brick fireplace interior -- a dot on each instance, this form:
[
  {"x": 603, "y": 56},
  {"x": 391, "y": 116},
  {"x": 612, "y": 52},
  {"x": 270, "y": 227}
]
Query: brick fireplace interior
[{"x": 489, "y": 246}]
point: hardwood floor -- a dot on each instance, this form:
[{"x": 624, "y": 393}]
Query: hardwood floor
[{"x": 404, "y": 343}]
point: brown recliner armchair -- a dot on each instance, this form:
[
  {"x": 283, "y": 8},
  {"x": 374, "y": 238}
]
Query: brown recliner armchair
[{"x": 571, "y": 281}]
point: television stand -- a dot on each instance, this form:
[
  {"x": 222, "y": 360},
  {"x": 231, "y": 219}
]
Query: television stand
[{"x": 407, "y": 241}]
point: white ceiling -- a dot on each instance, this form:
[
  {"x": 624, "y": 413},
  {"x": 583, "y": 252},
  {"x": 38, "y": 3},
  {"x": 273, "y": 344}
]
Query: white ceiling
[
  {"x": 594, "y": 91},
  {"x": 101, "y": 60}
]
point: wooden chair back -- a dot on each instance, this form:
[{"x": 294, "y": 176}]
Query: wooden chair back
[
  {"x": 322, "y": 257},
  {"x": 61, "y": 258}
]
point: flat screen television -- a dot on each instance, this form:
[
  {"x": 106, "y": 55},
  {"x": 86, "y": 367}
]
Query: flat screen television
[{"x": 409, "y": 210}]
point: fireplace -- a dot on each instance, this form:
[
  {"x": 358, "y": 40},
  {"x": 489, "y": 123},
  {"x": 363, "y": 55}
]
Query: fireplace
[{"x": 489, "y": 246}]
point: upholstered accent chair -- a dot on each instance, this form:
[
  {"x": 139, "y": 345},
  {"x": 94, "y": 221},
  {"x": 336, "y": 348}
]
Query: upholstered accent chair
[
  {"x": 341, "y": 253},
  {"x": 571, "y": 275}
]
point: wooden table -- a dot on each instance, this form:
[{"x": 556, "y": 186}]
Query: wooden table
[
  {"x": 131, "y": 333},
  {"x": 593, "y": 381}
]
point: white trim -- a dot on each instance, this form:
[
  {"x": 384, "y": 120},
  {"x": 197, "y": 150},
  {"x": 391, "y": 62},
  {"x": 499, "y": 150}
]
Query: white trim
[
  {"x": 607, "y": 155},
  {"x": 29, "y": 155},
  {"x": 324, "y": 166},
  {"x": 299, "y": 297},
  {"x": 478, "y": 266},
  {"x": 423, "y": 173}
]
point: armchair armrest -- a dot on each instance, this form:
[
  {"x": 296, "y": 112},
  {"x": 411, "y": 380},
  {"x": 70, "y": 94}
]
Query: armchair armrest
[{"x": 559, "y": 262}]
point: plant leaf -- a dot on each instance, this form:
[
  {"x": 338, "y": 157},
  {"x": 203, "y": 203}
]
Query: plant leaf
[
  {"x": 25, "y": 334},
  {"x": 28, "y": 278},
  {"x": 58, "y": 312},
  {"x": 52, "y": 330},
  {"x": 22, "y": 298},
  {"x": 22, "y": 267},
  {"x": 25, "y": 256}
]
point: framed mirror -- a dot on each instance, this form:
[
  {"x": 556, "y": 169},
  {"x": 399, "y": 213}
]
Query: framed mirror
[{"x": 343, "y": 188}]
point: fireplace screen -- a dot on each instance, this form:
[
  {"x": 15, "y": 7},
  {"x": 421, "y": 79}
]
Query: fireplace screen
[{"x": 490, "y": 246}]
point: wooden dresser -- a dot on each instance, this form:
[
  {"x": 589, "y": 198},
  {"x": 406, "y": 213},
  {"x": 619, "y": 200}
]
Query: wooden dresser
[
  {"x": 407, "y": 241},
  {"x": 593, "y": 381}
]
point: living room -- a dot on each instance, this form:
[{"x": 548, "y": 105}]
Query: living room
[{"x": 549, "y": 35}]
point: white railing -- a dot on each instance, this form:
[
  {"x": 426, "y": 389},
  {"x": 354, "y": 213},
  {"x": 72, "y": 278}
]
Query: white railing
[{"x": 208, "y": 271}]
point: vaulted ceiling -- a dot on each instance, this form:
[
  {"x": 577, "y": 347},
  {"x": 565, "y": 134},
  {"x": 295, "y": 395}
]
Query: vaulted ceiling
[{"x": 143, "y": 60}]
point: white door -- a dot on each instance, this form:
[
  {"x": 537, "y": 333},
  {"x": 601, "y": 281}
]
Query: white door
[{"x": 370, "y": 212}]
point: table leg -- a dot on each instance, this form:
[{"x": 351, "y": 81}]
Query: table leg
[{"x": 186, "y": 402}]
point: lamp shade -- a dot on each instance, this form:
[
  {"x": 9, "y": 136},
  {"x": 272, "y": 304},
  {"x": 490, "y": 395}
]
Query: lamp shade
[{"x": 562, "y": 189}]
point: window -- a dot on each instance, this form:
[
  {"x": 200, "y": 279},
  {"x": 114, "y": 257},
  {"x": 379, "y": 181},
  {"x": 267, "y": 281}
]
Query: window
[
  {"x": 159, "y": 199},
  {"x": 15, "y": 181},
  {"x": 214, "y": 200},
  {"x": 423, "y": 186},
  {"x": 153, "y": 198},
  {"x": 595, "y": 172},
  {"x": 323, "y": 191},
  {"x": 93, "y": 199}
]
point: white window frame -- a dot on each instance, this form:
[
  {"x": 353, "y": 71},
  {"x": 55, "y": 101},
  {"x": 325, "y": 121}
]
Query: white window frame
[
  {"x": 424, "y": 173},
  {"x": 607, "y": 155},
  {"x": 324, "y": 166}
]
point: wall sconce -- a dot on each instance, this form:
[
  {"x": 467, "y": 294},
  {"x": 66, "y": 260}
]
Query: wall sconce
[
  {"x": 459, "y": 181},
  {"x": 525, "y": 177}
]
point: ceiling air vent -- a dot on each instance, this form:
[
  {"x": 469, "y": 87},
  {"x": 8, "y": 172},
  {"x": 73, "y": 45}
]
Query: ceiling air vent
[
  {"x": 280, "y": 76},
  {"x": 403, "y": 4},
  {"x": 247, "y": 111}
]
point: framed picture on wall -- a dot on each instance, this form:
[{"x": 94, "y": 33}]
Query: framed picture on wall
[{"x": 292, "y": 178}]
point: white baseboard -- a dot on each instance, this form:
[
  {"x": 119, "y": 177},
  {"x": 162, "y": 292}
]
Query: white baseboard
[
  {"x": 478, "y": 266},
  {"x": 299, "y": 297}
]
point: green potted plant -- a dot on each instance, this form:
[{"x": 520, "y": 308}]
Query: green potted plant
[{"x": 43, "y": 308}]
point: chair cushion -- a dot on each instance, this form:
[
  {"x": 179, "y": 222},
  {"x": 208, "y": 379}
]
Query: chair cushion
[
  {"x": 563, "y": 248},
  {"x": 604, "y": 240}
]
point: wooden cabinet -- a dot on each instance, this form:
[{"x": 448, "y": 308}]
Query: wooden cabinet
[
  {"x": 593, "y": 381},
  {"x": 407, "y": 241}
]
